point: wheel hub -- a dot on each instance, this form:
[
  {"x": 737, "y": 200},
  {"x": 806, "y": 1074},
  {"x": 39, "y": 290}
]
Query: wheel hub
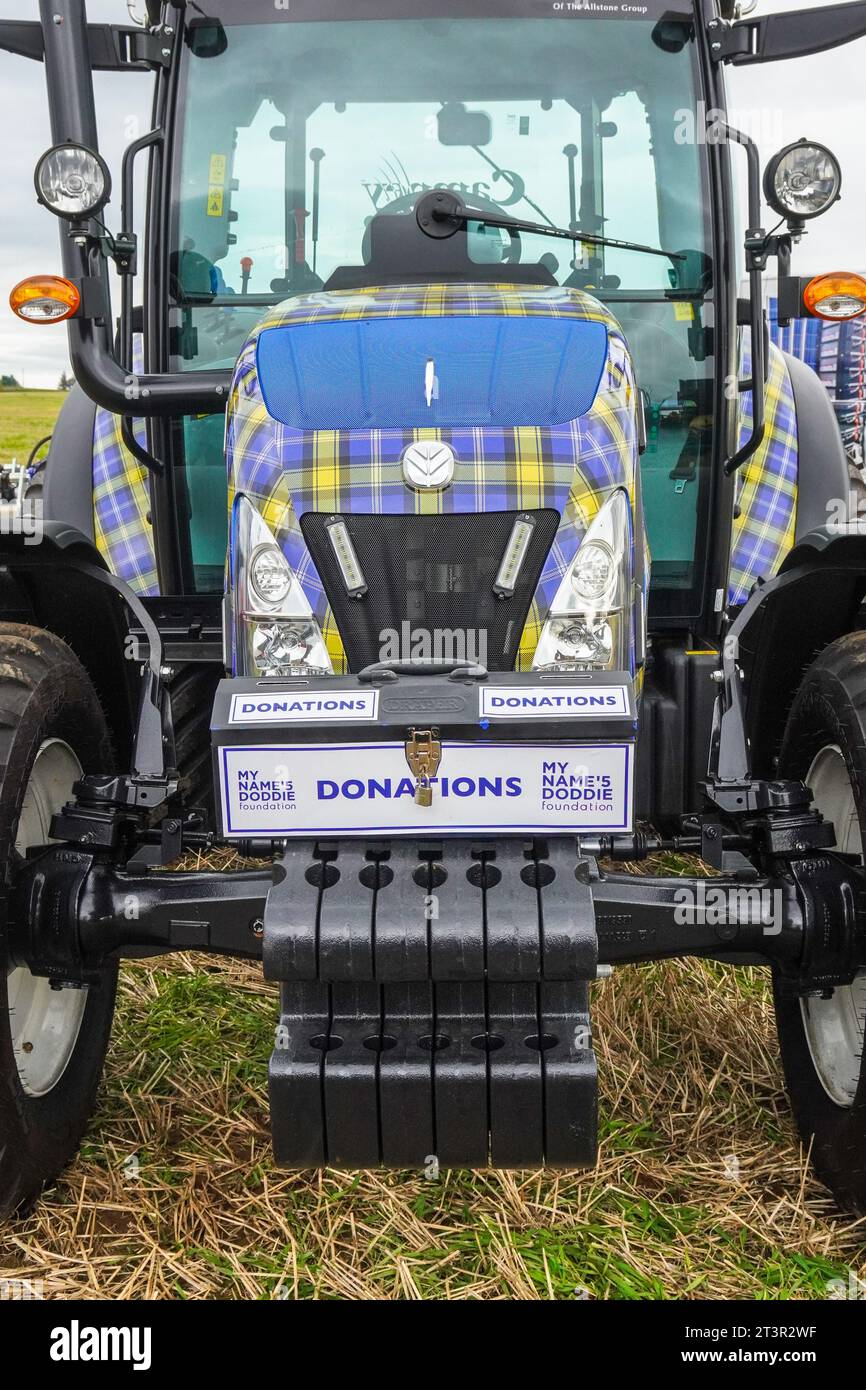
[
  {"x": 44, "y": 1022},
  {"x": 834, "y": 1026}
]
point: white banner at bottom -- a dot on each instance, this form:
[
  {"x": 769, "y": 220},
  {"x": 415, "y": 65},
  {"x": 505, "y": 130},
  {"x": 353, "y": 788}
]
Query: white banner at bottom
[{"x": 368, "y": 789}]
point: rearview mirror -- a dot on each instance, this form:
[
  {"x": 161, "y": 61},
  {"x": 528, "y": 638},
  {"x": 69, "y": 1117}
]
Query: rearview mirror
[
  {"x": 457, "y": 126},
  {"x": 207, "y": 37}
]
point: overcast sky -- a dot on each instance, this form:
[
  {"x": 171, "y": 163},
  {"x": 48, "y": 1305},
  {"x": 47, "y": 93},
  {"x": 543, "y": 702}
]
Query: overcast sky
[{"x": 823, "y": 97}]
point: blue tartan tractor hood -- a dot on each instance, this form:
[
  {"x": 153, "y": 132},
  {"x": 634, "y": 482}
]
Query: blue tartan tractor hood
[
  {"x": 529, "y": 465},
  {"x": 532, "y": 388}
]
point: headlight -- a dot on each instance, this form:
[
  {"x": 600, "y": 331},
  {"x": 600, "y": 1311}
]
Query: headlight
[
  {"x": 73, "y": 182},
  {"x": 802, "y": 180},
  {"x": 589, "y": 623},
  {"x": 585, "y": 639},
  {"x": 274, "y": 630},
  {"x": 269, "y": 574},
  {"x": 593, "y": 571},
  {"x": 285, "y": 647}
]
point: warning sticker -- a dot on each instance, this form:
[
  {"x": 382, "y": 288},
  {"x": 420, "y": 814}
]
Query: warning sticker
[
  {"x": 218, "y": 166},
  {"x": 215, "y": 202}
]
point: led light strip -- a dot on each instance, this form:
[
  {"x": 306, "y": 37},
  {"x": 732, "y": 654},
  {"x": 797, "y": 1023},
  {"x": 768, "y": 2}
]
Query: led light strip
[
  {"x": 515, "y": 554},
  {"x": 344, "y": 551}
]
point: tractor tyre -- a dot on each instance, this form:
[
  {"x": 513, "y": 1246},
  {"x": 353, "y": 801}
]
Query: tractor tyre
[
  {"x": 821, "y": 1039},
  {"x": 52, "y": 1041}
]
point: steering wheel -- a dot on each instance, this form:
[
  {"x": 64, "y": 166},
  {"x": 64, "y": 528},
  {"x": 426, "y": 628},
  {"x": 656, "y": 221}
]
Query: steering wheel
[{"x": 406, "y": 204}]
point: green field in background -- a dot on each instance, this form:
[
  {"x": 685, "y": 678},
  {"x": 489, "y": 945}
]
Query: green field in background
[{"x": 25, "y": 418}]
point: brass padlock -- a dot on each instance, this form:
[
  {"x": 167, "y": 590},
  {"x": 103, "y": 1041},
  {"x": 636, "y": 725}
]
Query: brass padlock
[{"x": 423, "y": 754}]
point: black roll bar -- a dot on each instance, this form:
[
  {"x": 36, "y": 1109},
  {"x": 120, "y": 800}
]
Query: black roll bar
[{"x": 91, "y": 342}]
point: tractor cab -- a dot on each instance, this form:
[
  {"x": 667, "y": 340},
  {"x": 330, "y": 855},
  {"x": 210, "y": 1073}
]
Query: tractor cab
[{"x": 304, "y": 144}]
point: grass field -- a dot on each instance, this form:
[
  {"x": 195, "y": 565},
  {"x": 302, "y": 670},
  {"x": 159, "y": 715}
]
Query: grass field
[
  {"x": 25, "y": 418},
  {"x": 701, "y": 1191}
]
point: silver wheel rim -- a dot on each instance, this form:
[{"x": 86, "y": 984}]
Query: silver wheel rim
[
  {"x": 834, "y": 1027},
  {"x": 44, "y": 1022}
]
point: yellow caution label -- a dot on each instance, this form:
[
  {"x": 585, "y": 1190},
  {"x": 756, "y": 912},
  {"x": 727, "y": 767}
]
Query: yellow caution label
[
  {"x": 683, "y": 312},
  {"x": 218, "y": 164},
  {"x": 215, "y": 201}
]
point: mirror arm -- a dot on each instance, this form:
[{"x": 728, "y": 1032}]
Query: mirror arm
[{"x": 795, "y": 34}]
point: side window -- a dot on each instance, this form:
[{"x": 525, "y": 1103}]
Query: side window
[{"x": 204, "y": 470}]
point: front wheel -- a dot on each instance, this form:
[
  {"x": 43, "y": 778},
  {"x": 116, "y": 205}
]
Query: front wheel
[
  {"x": 821, "y": 1039},
  {"x": 52, "y": 1041}
]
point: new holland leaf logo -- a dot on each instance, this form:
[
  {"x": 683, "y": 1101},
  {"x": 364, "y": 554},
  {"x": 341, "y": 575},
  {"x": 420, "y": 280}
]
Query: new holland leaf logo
[{"x": 428, "y": 464}]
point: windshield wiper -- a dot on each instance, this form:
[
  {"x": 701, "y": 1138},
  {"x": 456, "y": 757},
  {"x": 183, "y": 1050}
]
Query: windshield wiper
[
  {"x": 501, "y": 173},
  {"x": 441, "y": 213}
]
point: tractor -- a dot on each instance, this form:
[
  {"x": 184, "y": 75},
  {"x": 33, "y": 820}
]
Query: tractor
[{"x": 439, "y": 529}]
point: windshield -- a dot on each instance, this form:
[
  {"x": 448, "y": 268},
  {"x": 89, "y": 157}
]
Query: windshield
[{"x": 298, "y": 131}]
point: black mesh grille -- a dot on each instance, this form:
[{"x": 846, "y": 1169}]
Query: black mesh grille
[{"x": 436, "y": 574}]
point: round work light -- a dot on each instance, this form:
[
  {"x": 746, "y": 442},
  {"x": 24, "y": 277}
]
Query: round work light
[
  {"x": 73, "y": 182},
  {"x": 802, "y": 180}
]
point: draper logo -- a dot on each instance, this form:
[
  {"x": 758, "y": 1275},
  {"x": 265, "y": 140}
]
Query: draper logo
[{"x": 77, "y": 1343}]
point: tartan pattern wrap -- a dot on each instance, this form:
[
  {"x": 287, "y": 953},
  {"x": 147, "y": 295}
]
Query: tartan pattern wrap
[
  {"x": 571, "y": 468},
  {"x": 521, "y": 468},
  {"x": 121, "y": 500},
  {"x": 767, "y": 488}
]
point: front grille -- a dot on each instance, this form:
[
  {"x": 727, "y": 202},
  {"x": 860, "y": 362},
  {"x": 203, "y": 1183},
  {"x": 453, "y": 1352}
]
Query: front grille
[{"x": 431, "y": 577}]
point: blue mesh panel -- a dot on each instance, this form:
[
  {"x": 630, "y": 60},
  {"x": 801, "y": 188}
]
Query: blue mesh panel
[{"x": 366, "y": 374}]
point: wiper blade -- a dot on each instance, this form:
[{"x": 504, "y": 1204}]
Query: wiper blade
[
  {"x": 501, "y": 173},
  {"x": 441, "y": 213}
]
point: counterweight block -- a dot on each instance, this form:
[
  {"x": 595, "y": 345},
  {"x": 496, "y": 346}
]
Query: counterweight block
[{"x": 434, "y": 1007}]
